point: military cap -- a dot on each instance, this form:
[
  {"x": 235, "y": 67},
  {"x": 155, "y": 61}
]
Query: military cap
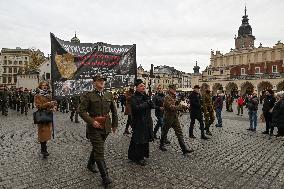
[
  {"x": 138, "y": 82},
  {"x": 99, "y": 77}
]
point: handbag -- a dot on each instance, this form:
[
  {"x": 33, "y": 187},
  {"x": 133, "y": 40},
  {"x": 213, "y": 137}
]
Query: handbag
[{"x": 42, "y": 117}]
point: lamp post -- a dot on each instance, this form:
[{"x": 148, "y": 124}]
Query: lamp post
[{"x": 150, "y": 79}]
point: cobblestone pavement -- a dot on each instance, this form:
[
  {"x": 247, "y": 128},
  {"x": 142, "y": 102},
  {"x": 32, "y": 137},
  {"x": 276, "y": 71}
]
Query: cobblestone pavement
[{"x": 232, "y": 158}]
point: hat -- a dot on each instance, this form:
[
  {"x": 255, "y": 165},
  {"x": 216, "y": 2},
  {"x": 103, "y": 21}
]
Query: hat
[
  {"x": 196, "y": 87},
  {"x": 99, "y": 77},
  {"x": 172, "y": 86},
  {"x": 138, "y": 82}
]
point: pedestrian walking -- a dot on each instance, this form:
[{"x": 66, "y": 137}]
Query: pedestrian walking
[
  {"x": 171, "y": 109},
  {"x": 43, "y": 102},
  {"x": 158, "y": 101},
  {"x": 196, "y": 110},
  {"x": 127, "y": 111},
  {"x": 141, "y": 106},
  {"x": 95, "y": 109},
  {"x": 208, "y": 110},
  {"x": 218, "y": 104}
]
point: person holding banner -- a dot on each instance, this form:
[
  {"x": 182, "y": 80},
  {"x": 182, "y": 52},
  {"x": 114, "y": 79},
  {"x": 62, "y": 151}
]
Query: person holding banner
[
  {"x": 94, "y": 109},
  {"x": 43, "y": 101}
]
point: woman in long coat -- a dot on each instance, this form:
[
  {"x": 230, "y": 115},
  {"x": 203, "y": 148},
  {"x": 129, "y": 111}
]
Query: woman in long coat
[
  {"x": 277, "y": 114},
  {"x": 43, "y": 101},
  {"x": 141, "y": 106}
]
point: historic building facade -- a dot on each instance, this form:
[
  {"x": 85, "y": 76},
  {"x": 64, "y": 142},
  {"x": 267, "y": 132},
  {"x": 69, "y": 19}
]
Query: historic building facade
[
  {"x": 246, "y": 68},
  {"x": 12, "y": 61},
  {"x": 164, "y": 76}
]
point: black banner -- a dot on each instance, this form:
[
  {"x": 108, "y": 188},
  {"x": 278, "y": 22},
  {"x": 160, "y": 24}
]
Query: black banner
[{"x": 74, "y": 64}]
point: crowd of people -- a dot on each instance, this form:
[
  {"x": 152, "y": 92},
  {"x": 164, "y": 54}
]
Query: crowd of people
[{"x": 98, "y": 108}]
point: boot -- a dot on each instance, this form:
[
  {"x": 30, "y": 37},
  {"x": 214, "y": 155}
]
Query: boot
[
  {"x": 162, "y": 144},
  {"x": 208, "y": 132},
  {"x": 204, "y": 137},
  {"x": 71, "y": 118},
  {"x": 91, "y": 164},
  {"x": 44, "y": 149},
  {"x": 103, "y": 171},
  {"x": 183, "y": 146},
  {"x": 191, "y": 132}
]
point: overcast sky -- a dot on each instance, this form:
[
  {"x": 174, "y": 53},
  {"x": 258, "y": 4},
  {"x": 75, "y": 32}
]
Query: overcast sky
[{"x": 167, "y": 32}]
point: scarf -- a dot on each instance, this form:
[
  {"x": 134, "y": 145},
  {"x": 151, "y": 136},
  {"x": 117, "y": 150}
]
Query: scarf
[{"x": 44, "y": 92}]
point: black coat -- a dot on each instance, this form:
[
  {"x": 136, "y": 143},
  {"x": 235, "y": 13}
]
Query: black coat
[
  {"x": 268, "y": 103},
  {"x": 158, "y": 101},
  {"x": 195, "y": 104},
  {"x": 278, "y": 114},
  {"x": 141, "y": 106}
]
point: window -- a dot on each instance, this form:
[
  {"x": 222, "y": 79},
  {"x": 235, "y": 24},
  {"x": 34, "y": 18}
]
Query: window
[
  {"x": 15, "y": 70},
  {"x": 9, "y": 79},
  {"x": 15, "y": 79},
  {"x": 20, "y": 62},
  {"x": 221, "y": 72},
  {"x": 209, "y": 72},
  {"x": 10, "y": 70},
  {"x": 5, "y": 62},
  {"x": 257, "y": 70},
  {"x": 5, "y": 70},
  {"x": 10, "y": 62},
  {"x": 4, "y": 79},
  {"x": 243, "y": 71},
  {"x": 15, "y": 62},
  {"x": 274, "y": 69}
]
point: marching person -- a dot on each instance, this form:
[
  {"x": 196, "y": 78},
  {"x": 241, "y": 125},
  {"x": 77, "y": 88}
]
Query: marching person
[
  {"x": 158, "y": 101},
  {"x": 74, "y": 104},
  {"x": 208, "y": 110},
  {"x": 95, "y": 108},
  {"x": 229, "y": 103},
  {"x": 171, "y": 120},
  {"x": 127, "y": 111},
  {"x": 141, "y": 106},
  {"x": 4, "y": 100},
  {"x": 196, "y": 112},
  {"x": 25, "y": 98},
  {"x": 43, "y": 101},
  {"x": 218, "y": 104},
  {"x": 268, "y": 104}
]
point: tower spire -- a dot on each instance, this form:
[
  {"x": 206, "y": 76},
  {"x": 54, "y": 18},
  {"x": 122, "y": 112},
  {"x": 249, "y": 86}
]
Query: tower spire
[{"x": 245, "y": 9}]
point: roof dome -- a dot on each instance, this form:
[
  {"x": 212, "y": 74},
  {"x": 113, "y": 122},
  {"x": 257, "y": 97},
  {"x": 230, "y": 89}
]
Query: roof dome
[{"x": 75, "y": 39}]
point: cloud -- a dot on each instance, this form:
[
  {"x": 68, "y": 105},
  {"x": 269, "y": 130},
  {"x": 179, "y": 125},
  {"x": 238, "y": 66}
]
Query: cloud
[{"x": 166, "y": 32}]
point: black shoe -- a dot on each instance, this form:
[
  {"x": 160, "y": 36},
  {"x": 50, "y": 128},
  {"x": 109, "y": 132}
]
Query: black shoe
[
  {"x": 253, "y": 130},
  {"x": 204, "y": 137},
  {"x": 162, "y": 147},
  {"x": 183, "y": 147},
  {"x": 265, "y": 132},
  {"x": 191, "y": 136},
  {"x": 126, "y": 132},
  {"x": 45, "y": 154},
  {"x": 141, "y": 163},
  {"x": 92, "y": 167},
  {"x": 208, "y": 133},
  {"x": 249, "y": 129},
  {"x": 167, "y": 141},
  {"x": 104, "y": 174}
]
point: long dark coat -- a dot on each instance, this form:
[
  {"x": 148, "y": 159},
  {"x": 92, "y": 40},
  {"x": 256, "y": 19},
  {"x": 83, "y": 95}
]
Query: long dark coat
[
  {"x": 277, "y": 114},
  {"x": 141, "y": 106}
]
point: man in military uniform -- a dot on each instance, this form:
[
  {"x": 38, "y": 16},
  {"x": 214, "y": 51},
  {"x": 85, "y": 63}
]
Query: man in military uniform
[
  {"x": 4, "y": 99},
  {"x": 24, "y": 100},
  {"x": 74, "y": 104},
  {"x": 158, "y": 101},
  {"x": 94, "y": 109},
  {"x": 208, "y": 109},
  {"x": 171, "y": 109}
]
